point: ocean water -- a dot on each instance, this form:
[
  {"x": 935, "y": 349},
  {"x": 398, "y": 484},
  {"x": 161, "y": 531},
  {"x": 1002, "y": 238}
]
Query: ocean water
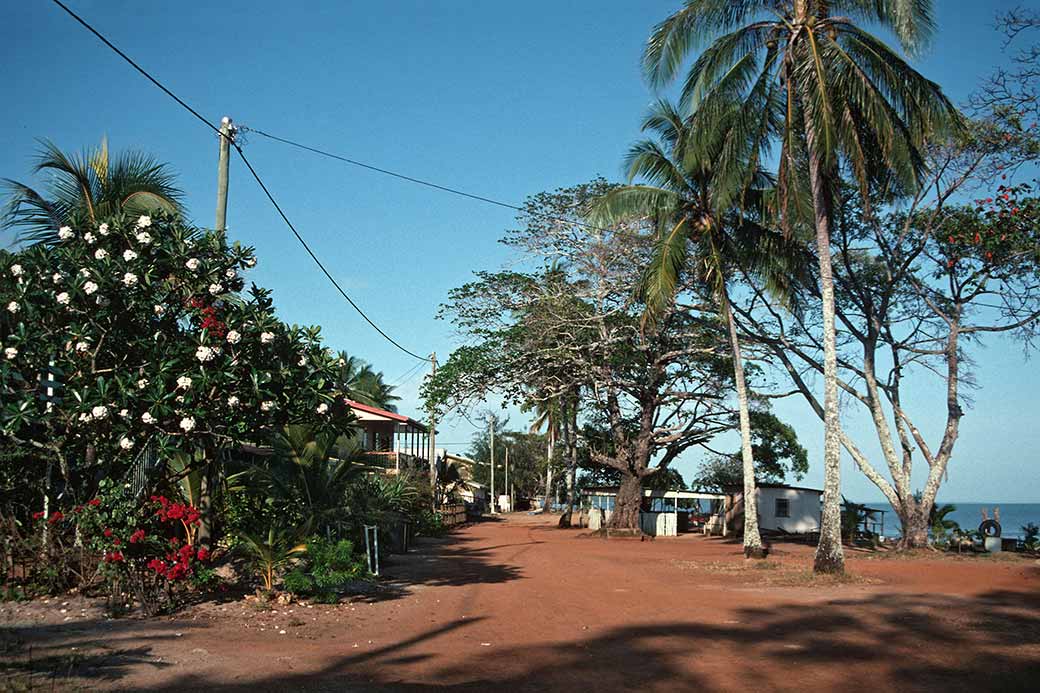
[{"x": 969, "y": 515}]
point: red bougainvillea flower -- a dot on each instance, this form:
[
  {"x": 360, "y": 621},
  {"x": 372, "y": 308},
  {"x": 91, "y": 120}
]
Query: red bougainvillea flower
[
  {"x": 94, "y": 502},
  {"x": 38, "y": 515},
  {"x": 174, "y": 541},
  {"x": 55, "y": 517},
  {"x": 157, "y": 565},
  {"x": 137, "y": 536},
  {"x": 117, "y": 541},
  {"x": 78, "y": 509},
  {"x": 203, "y": 554},
  {"x": 114, "y": 557},
  {"x": 107, "y": 532}
]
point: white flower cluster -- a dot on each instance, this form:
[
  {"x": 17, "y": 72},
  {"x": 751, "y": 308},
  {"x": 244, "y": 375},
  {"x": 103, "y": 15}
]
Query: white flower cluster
[
  {"x": 144, "y": 221},
  {"x": 90, "y": 287},
  {"x": 142, "y": 383},
  {"x": 16, "y": 270},
  {"x": 130, "y": 279},
  {"x": 147, "y": 418},
  {"x": 10, "y": 353},
  {"x": 323, "y": 408},
  {"x": 13, "y": 307},
  {"x": 129, "y": 255},
  {"x": 57, "y": 277},
  {"x": 204, "y": 354},
  {"x": 266, "y": 405},
  {"x": 266, "y": 337},
  {"x": 187, "y": 424},
  {"x": 143, "y": 237},
  {"x": 63, "y": 298},
  {"x": 100, "y": 254},
  {"x": 159, "y": 309},
  {"x": 126, "y": 443},
  {"x": 232, "y": 401},
  {"x": 65, "y": 233},
  {"x": 89, "y": 237},
  {"x": 233, "y": 337},
  {"x": 216, "y": 288},
  {"x": 82, "y": 346},
  {"x": 192, "y": 264},
  {"x": 103, "y": 229},
  {"x": 99, "y": 412},
  {"x": 183, "y": 382}
]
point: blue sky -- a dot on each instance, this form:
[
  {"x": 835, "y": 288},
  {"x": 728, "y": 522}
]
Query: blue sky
[{"x": 501, "y": 99}]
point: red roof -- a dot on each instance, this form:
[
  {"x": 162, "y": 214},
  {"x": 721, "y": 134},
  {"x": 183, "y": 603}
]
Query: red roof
[{"x": 393, "y": 416}]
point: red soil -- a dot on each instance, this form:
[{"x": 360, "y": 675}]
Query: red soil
[{"x": 520, "y": 605}]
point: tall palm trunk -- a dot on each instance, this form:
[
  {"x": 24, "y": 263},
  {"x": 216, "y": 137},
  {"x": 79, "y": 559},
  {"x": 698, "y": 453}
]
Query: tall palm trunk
[
  {"x": 549, "y": 450},
  {"x": 830, "y": 557},
  {"x": 753, "y": 547}
]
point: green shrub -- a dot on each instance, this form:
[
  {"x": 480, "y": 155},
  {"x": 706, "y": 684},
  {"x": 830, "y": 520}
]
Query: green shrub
[
  {"x": 328, "y": 568},
  {"x": 429, "y": 524}
]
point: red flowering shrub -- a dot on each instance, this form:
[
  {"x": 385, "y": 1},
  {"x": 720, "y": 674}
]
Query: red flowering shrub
[{"x": 146, "y": 547}]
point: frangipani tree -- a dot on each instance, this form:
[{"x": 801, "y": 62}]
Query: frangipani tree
[{"x": 132, "y": 333}]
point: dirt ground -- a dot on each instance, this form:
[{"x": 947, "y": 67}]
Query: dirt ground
[{"x": 517, "y": 604}]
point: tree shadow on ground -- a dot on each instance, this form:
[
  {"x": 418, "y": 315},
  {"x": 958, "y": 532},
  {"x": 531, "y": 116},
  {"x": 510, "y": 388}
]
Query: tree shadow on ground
[
  {"x": 904, "y": 642},
  {"x": 37, "y": 657}
]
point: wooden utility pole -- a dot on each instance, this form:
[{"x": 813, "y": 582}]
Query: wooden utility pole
[
  {"x": 433, "y": 437},
  {"x": 509, "y": 494},
  {"x": 227, "y": 134},
  {"x": 491, "y": 427}
]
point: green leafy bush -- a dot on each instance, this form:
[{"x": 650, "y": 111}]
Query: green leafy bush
[{"x": 328, "y": 568}]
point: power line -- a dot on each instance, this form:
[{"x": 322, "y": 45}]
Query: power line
[
  {"x": 420, "y": 181},
  {"x": 245, "y": 160}
]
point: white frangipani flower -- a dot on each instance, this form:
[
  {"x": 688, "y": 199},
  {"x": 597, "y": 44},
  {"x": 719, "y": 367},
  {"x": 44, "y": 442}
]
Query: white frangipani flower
[
  {"x": 204, "y": 354},
  {"x": 10, "y": 353},
  {"x": 232, "y": 401},
  {"x": 65, "y": 233},
  {"x": 89, "y": 237},
  {"x": 85, "y": 417},
  {"x": 266, "y": 405},
  {"x": 216, "y": 288},
  {"x": 103, "y": 229},
  {"x": 13, "y": 307},
  {"x": 323, "y": 408},
  {"x": 16, "y": 270},
  {"x": 90, "y": 287},
  {"x": 100, "y": 254},
  {"x": 183, "y": 382},
  {"x": 233, "y": 337},
  {"x": 159, "y": 308},
  {"x": 192, "y": 264},
  {"x": 147, "y": 418},
  {"x": 144, "y": 221},
  {"x": 123, "y": 413},
  {"x": 126, "y": 443},
  {"x": 143, "y": 237},
  {"x": 129, "y": 255},
  {"x": 266, "y": 337},
  {"x": 84, "y": 272},
  {"x": 231, "y": 274},
  {"x": 82, "y": 346},
  {"x": 99, "y": 412},
  {"x": 129, "y": 279},
  {"x": 63, "y": 298},
  {"x": 187, "y": 424},
  {"x": 142, "y": 383},
  {"x": 56, "y": 277},
  {"x": 303, "y": 361}
]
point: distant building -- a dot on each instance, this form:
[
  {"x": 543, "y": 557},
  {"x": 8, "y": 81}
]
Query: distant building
[
  {"x": 781, "y": 508},
  {"x": 391, "y": 440}
]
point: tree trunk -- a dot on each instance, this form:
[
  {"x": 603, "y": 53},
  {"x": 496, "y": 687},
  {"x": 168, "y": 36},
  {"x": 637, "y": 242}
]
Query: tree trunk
[
  {"x": 913, "y": 517},
  {"x": 753, "y": 547},
  {"x": 548, "y": 472},
  {"x": 628, "y": 503},
  {"x": 570, "y": 454},
  {"x": 830, "y": 557}
]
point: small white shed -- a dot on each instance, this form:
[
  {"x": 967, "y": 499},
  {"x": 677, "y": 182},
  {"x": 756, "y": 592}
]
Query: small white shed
[{"x": 781, "y": 508}]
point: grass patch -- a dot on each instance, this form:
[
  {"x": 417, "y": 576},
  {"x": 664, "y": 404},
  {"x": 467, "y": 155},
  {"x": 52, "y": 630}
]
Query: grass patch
[{"x": 771, "y": 573}]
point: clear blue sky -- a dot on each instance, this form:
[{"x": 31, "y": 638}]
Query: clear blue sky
[{"x": 502, "y": 99}]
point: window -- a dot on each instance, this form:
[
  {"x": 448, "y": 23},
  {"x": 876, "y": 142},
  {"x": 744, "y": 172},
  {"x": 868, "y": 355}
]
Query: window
[{"x": 783, "y": 507}]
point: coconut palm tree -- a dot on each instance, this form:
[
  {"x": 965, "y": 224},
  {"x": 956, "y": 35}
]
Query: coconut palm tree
[
  {"x": 364, "y": 384},
  {"x": 87, "y": 187},
  {"x": 547, "y": 415},
  {"x": 836, "y": 98},
  {"x": 692, "y": 192}
]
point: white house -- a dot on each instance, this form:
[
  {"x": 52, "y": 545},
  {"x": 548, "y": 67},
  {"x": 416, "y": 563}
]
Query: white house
[{"x": 781, "y": 508}]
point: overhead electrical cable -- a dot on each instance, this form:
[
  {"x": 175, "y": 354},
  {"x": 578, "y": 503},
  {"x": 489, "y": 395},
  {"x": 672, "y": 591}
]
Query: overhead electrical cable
[
  {"x": 420, "y": 181},
  {"x": 245, "y": 160}
]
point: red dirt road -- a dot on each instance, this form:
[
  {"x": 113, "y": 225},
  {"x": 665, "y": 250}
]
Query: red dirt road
[{"x": 520, "y": 605}]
